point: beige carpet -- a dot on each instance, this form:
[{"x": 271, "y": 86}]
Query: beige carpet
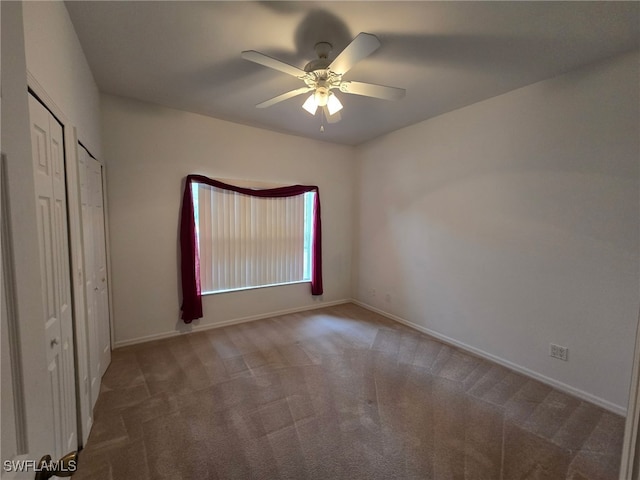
[{"x": 338, "y": 393}]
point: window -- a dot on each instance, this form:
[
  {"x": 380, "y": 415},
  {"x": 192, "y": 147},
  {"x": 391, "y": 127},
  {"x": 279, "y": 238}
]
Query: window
[
  {"x": 235, "y": 219},
  {"x": 248, "y": 241}
]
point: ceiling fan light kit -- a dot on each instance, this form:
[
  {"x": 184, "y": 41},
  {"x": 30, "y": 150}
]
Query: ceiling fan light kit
[
  {"x": 333, "y": 104},
  {"x": 321, "y": 76},
  {"x": 310, "y": 105},
  {"x": 322, "y": 98}
]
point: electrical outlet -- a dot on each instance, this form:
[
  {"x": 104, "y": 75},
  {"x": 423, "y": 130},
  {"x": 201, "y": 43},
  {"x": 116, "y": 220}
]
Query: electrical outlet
[
  {"x": 559, "y": 352},
  {"x": 372, "y": 292},
  {"x": 387, "y": 298}
]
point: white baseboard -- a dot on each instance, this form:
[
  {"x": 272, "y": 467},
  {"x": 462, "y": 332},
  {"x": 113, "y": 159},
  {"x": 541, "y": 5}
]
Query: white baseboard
[
  {"x": 226, "y": 323},
  {"x": 612, "y": 407}
]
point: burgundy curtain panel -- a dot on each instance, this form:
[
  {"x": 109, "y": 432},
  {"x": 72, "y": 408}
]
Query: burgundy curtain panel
[{"x": 189, "y": 257}]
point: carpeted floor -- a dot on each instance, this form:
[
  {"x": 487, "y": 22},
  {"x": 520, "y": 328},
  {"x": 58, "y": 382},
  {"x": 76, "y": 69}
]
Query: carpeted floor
[{"x": 337, "y": 393}]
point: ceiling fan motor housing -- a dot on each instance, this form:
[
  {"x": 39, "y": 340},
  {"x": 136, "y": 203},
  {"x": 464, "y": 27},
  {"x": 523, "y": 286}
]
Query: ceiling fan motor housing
[{"x": 323, "y": 49}]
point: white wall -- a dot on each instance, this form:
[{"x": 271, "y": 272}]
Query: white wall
[
  {"x": 56, "y": 60},
  {"x": 513, "y": 223},
  {"x": 23, "y": 251},
  {"x": 149, "y": 150}
]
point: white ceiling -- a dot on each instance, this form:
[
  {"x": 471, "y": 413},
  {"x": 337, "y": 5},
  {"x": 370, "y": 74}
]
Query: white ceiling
[{"x": 446, "y": 55}]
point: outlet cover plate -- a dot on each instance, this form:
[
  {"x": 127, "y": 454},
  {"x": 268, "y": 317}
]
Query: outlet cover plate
[{"x": 559, "y": 352}]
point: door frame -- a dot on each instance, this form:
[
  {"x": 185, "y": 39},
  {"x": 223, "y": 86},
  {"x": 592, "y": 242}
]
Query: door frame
[
  {"x": 629, "y": 463},
  {"x": 11, "y": 353}
]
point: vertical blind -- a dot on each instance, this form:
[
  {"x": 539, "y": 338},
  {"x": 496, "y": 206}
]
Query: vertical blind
[{"x": 247, "y": 241}]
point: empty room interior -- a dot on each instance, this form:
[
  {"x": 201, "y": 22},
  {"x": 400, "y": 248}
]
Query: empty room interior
[{"x": 323, "y": 240}]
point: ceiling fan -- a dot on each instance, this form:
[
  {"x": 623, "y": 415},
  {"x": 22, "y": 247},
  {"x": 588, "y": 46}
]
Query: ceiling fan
[{"x": 322, "y": 75}]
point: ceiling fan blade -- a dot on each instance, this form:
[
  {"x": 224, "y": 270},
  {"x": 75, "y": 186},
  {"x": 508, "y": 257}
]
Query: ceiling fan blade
[
  {"x": 335, "y": 118},
  {"x": 284, "y": 96},
  {"x": 271, "y": 62},
  {"x": 371, "y": 90},
  {"x": 361, "y": 47}
]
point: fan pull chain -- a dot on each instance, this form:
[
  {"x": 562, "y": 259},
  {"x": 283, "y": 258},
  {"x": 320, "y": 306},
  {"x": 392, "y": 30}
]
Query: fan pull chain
[{"x": 322, "y": 115}]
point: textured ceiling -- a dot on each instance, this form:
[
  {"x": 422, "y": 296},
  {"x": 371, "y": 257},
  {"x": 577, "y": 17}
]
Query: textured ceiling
[{"x": 186, "y": 55}]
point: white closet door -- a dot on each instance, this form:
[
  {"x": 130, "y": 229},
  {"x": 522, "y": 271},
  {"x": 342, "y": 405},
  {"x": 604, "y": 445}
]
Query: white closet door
[
  {"x": 48, "y": 159},
  {"x": 98, "y": 330}
]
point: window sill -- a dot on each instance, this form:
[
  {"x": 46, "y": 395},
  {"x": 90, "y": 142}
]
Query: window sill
[{"x": 254, "y": 288}]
